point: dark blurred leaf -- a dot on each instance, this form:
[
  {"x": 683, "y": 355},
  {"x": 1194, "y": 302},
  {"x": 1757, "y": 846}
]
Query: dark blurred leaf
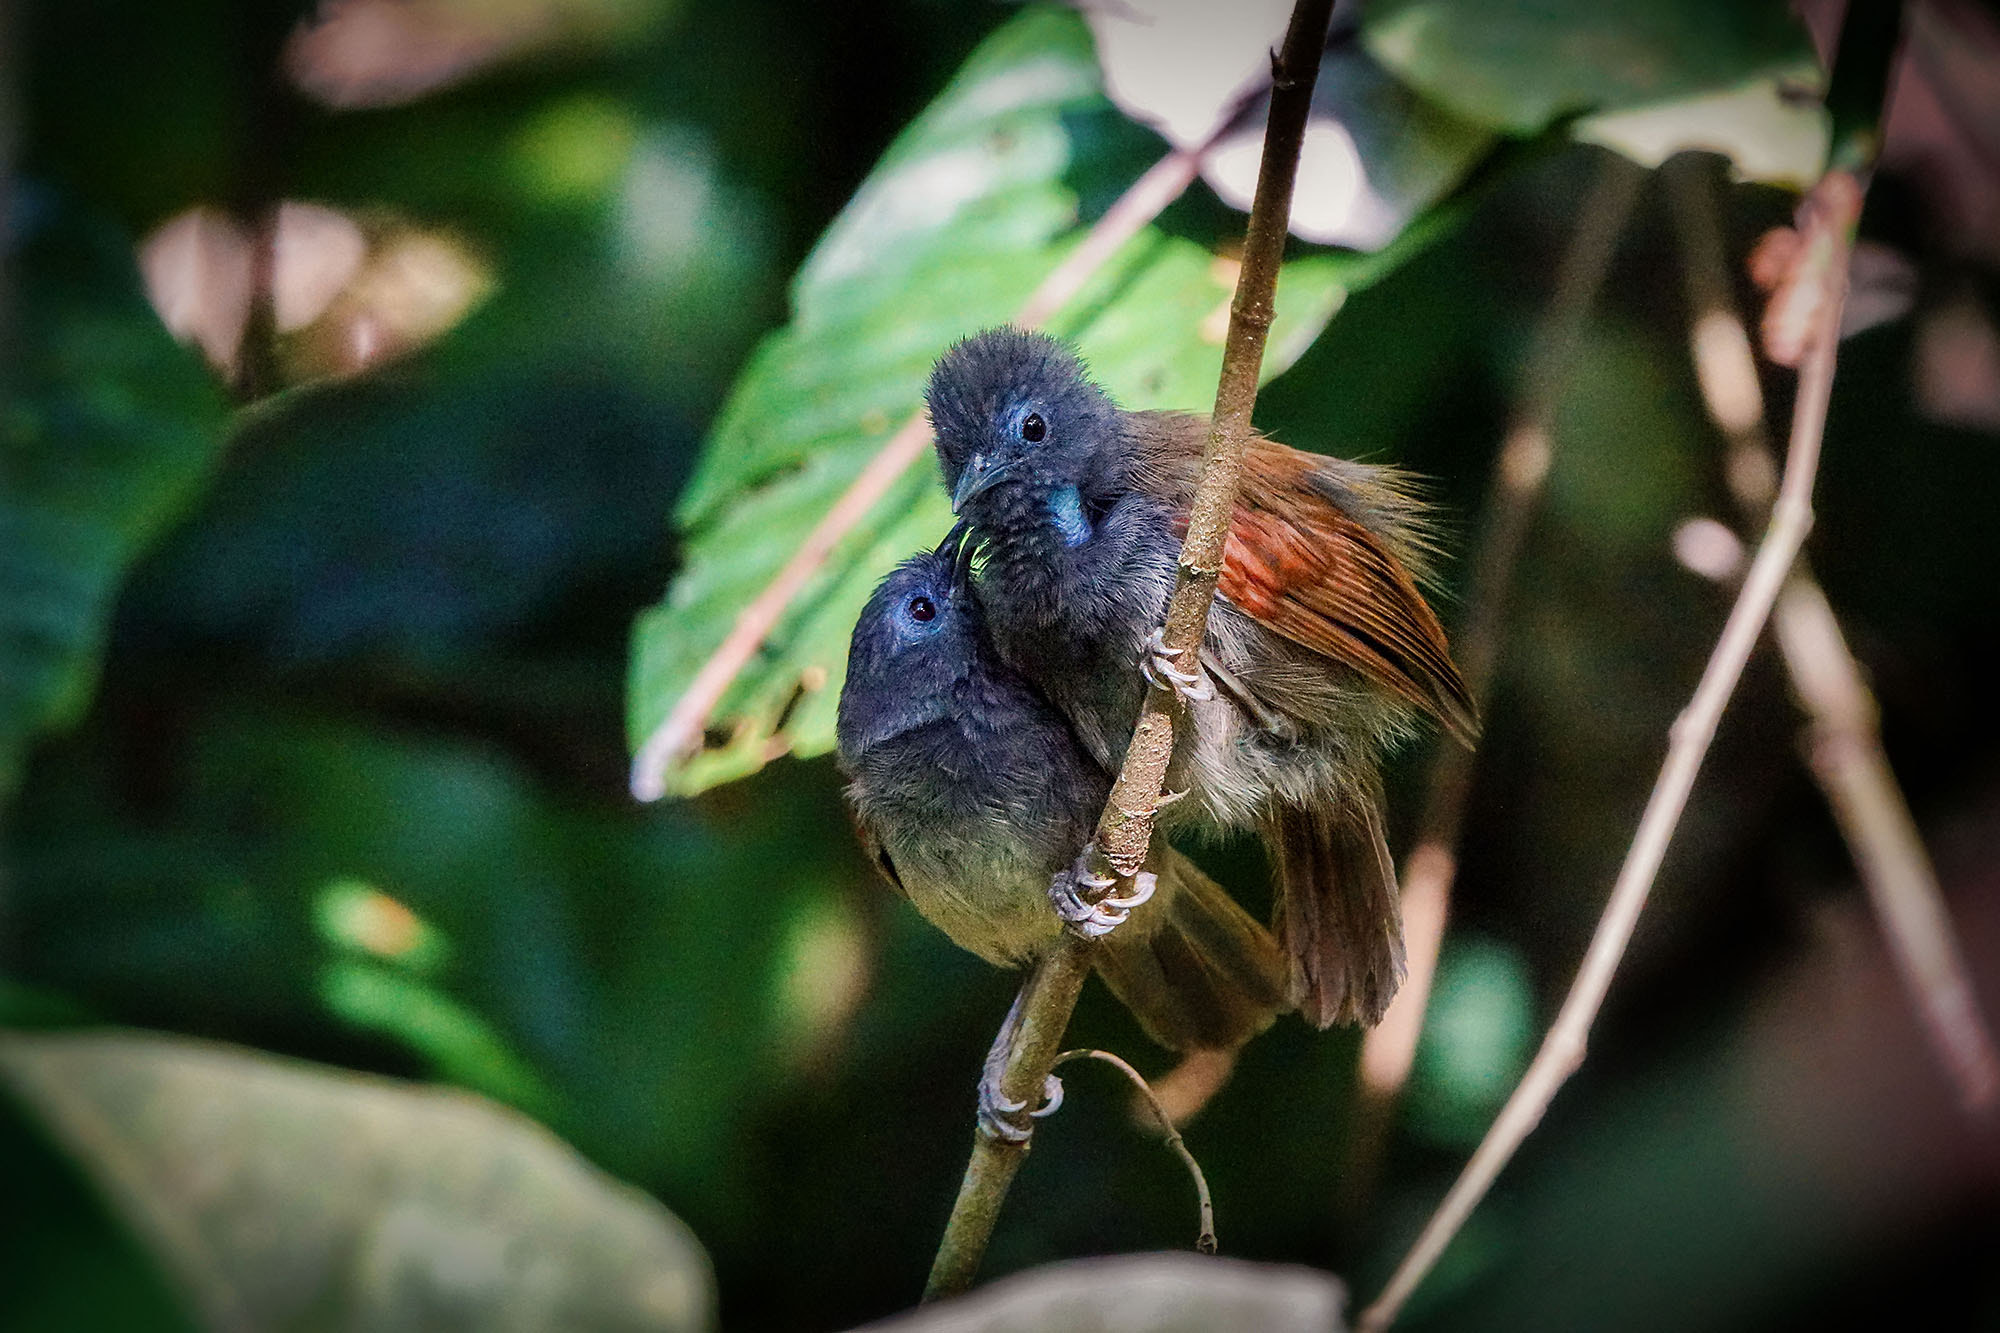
[
  {"x": 1162, "y": 1293},
  {"x": 108, "y": 430},
  {"x": 966, "y": 212},
  {"x": 66, "y": 1262},
  {"x": 1518, "y": 68},
  {"x": 420, "y": 517},
  {"x": 32, "y": 1007},
  {"x": 612, "y": 968},
  {"x": 166, "y": 69},
  {"x": 420, "y": 1209}
]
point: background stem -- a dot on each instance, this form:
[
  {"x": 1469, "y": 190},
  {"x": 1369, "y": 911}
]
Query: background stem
[
  {"x": 1843, "y": 740},
  {"x": 1562, "y": 1050}
]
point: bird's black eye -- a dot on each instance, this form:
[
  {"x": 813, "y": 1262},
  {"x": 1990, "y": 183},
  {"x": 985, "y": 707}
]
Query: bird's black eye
[
  {"x": 921, "y": 609},
  {"x": 1033, "y": 428}
]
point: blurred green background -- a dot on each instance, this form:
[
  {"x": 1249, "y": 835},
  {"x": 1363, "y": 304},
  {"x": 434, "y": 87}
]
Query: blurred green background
[{"x": 317, "y": 643}]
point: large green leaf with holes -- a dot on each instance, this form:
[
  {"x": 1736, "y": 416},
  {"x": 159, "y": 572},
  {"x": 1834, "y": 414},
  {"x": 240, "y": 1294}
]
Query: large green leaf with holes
[{"x": 985, "y": 193}]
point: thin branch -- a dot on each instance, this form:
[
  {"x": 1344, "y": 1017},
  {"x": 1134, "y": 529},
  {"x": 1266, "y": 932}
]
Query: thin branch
[
  {"x": 1124, "y": 832},
  {"x": 1843, "y": 736},
  {"x": 1205, "y": 1239},
  {"x": 1812, "y": 293},
  {"x": 1047, "y": 998},
  {"x": 1520, "y": 471},
  {"x": 680, "y": 734},
  {"x": 1563, "y": 1048},
  {"x": 1844, "y": 749}
]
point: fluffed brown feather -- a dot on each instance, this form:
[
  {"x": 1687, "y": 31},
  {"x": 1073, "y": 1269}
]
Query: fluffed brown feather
[
  {"x": 1299, "y": 564},
  {"x": 1319, "y": 551}
]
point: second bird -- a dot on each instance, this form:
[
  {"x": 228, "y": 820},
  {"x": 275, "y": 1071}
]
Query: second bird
[
  {"x": 972, "y": 795},
  {"x": 1321, "y": 651}
]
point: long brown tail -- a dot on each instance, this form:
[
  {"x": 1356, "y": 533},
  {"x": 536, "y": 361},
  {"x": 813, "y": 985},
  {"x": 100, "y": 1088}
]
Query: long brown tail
[
  {"x": 1194, "y": 968},
  {"x": 1338, "y": 915}
]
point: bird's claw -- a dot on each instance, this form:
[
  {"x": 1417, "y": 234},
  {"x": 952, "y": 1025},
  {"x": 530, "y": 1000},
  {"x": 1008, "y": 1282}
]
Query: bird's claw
[
  {"x": 999, "y": 1114},
  {"x": 1094, "y": 920},
  {"x": 1158, "y": 664}
]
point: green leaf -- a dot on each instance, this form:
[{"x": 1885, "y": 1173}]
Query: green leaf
[
  {"x": 107, "y": 430},
  {"x": 1521, "y": 67},
  {"x": 462, "y": 1046},
  {"x": 974, "y": 204},
  {"x": 278, "y": 1195},
  {"x": 1767, "y": 134}
]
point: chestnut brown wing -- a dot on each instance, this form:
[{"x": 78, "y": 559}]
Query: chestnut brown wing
[{"x": 1300, "y": 565}]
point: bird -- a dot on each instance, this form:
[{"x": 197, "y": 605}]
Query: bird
[
  {"x": 975, "y": 799},
  {"x": 1321, "y": 651}
]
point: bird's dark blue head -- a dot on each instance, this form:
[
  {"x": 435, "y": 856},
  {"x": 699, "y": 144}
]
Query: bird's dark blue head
[
  {"x": 918, "y": 639},
  {"x": 1020, "y": 428}
]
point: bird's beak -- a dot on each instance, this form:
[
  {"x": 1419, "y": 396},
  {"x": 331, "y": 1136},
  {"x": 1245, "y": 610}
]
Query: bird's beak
[
  {"x": 979, "y": 476},
  {"x": 961, "y": 565}
]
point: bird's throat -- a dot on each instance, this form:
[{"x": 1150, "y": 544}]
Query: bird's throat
[{"x": 1072, "y": 525}]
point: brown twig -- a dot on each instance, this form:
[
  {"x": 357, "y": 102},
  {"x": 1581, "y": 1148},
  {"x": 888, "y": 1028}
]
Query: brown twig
[
  {"x": 1519, "y": 473},
  {"x": 1563, "y": 1048},
  {"x": 1844, "y": 750},
  {"x": 1124, "y": 832},
  {"x": 1047, "y": 998},
  {"x": 680, "y": 733},
  {"x": 1204, "y": 1239},
  {"x": 1843, "y": 739}
]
